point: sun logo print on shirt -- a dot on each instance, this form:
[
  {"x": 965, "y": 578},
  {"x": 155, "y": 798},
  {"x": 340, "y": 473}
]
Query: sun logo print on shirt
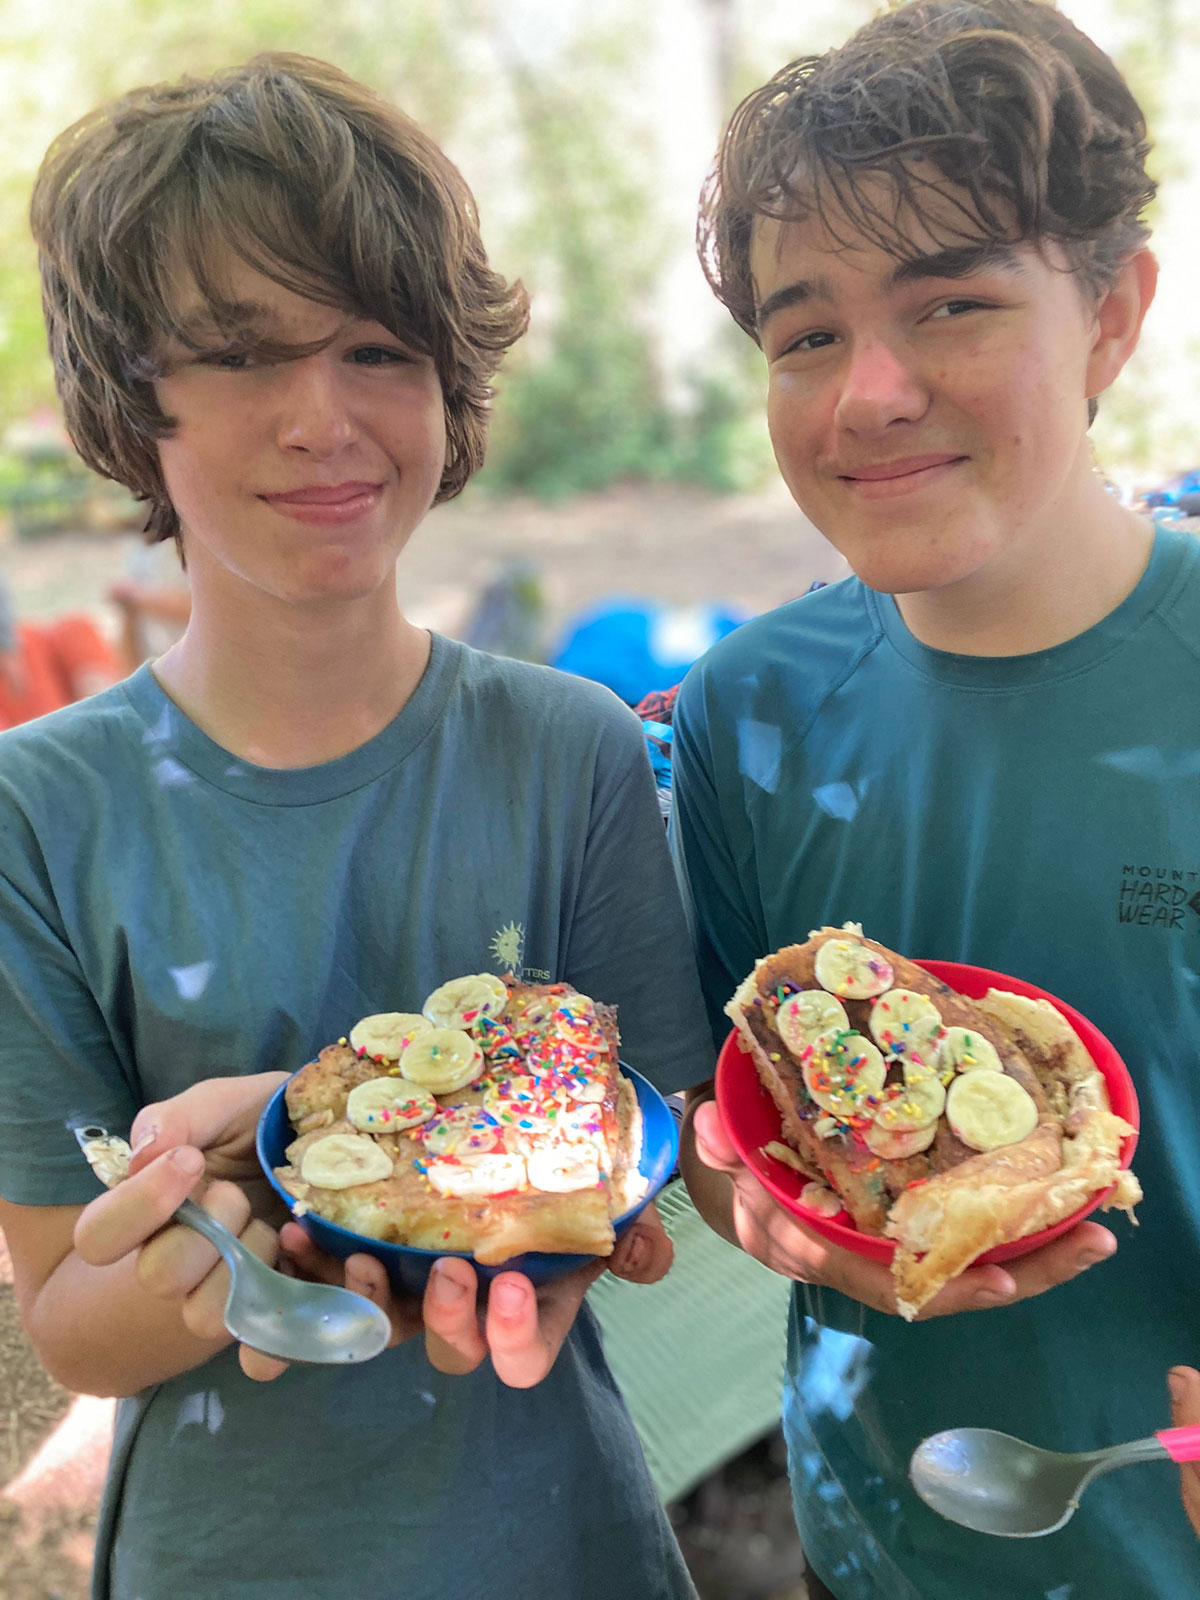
[{"x": 508, "y": 947}]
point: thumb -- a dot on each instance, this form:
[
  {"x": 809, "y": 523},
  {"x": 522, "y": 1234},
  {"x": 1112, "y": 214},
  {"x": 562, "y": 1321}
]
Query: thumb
[
  {"x": 1184, "y": 1384},
  {"x": 713, "y": 1144},
  {"x": 644, "y": 1254}
]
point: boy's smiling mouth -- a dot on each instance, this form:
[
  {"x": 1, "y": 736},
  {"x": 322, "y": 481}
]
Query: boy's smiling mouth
[
  {"x": 326, "y": 503},
  {"x": 901, "y": 476}
]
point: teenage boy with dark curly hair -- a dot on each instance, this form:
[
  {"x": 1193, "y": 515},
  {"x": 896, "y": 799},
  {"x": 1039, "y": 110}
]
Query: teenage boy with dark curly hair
[
  {"x": 272, "y": 317},
  {"x": 982, "y": 745}
]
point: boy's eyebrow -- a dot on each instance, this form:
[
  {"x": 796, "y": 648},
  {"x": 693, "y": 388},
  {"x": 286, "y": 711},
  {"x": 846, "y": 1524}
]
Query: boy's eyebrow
[
  {"x": 794, "y": 294},
  {"x": 958, "y": 261},
  {"x": 240, "y": 314}
]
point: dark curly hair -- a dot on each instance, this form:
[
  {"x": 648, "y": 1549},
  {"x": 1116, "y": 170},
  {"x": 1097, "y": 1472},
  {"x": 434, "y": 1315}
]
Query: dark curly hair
[
  {"x": 1016, "y": 109},
  {"x": 309, "y": 177}
]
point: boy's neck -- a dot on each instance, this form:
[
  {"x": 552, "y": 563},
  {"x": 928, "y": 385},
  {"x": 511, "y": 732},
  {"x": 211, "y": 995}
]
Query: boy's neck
[
  {"x": 1046, "y": 592},
  {"x": 296, "y": 689}
]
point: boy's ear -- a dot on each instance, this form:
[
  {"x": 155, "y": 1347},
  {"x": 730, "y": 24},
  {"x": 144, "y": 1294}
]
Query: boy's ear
[{"x": 1118, "y": 321}]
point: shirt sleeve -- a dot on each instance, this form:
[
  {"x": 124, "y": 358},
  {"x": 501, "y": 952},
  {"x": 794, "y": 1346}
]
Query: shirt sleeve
[
  {"x": 628, "y": 941},
  {"x": 59, "y": 1065},
  {"x": 726, "y": 934}
]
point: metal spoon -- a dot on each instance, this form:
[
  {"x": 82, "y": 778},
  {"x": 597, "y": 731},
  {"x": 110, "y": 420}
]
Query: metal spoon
[
  {"x": 315, "y": 1323},
  {"x": 994, "y": 1483}
]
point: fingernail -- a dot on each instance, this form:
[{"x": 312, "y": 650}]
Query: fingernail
[
  {"x": 361, "y": 1283},
  {"x": 507, "y": 1297},
  {"x": 187, "y": 1159},
  {"x": 447, "y": 1291},
  {"x": 144, "y": 1139},
  {"x": 639, "y": 1252},
  {"x": 1177, "y": 1385},
  {"x": 987, "y": 1298},
  {"x": 1100, "y": 1253}
]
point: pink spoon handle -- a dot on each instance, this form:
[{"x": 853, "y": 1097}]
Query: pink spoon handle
[{"x": 1181, "y": 1444}]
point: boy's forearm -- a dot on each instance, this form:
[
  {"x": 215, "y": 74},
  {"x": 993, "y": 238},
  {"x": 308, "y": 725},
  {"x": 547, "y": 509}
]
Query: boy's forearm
[
  {"x": 97, "y": 1331},
  {"x": 711, "y": 1192}
]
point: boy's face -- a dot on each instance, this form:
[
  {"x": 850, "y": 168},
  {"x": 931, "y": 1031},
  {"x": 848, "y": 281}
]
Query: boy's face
[
  {"x": 299, "y": 478},
  {"x": 930, "y": 421}
]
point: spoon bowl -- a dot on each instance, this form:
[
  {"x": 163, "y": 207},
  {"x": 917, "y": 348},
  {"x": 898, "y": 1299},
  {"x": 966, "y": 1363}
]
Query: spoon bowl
[
  {"x": 316, "y": 1324},
  {"x": 993, "y": 1483}
]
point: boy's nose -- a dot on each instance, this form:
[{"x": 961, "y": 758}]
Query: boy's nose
[
  {"x": 879, "y": 386},
  {"x": 313, "y": 415}
]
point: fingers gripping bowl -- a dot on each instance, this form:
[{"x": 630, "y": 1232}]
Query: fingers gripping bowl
[
  {"x": 985, "y": 1117},
  {"x": 495, "y": 1125}
]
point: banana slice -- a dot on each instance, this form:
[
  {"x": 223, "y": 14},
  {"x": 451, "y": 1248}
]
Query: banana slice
[
  {"x": 385, "y": 1036},
  {"x": 580, "y": 1007},
  {"x": 916, "y": 1104},
  {"x": 804, "y": 1016},
  {"x": 587, "y": 1090},
  {"x": 849, "y": 969},
  {"x": 442, "y": 1060},
  {"x": 388, "y": 1105},
  {"x": 460, "y": 1130},
  {"x": 530, "y": 1015},
  {"x": 989, "y": 1109},
  {"x": 498, "y": 1042},
  {"x": 557, "y": 1169},
  {"x": 841, "y": 1070},
  {"x": 583, "y": 1124},
  {"x": 820, "y": 1198},
  {"x": 460, "y": 1002},
  {"x": 894, "y": 1146},
  {"x": 344, "y": 1160},
  {"x": 473, "y": 1177},
  {"x": 964, "y": 1050},
  {"x": 527, "y": 1111},
  {"x": 905, "y": 1023},
  {"x": 510, "y": 1098}
]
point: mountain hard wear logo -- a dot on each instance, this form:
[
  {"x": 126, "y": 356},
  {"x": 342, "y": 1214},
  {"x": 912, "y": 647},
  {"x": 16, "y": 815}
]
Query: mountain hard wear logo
[{"x": 1158, "y": 897}]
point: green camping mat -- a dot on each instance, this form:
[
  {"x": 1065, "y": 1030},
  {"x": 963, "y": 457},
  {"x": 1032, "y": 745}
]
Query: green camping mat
[{"x": 699, "y": 1356}]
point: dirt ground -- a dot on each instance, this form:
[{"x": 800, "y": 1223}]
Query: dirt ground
[{"x": 680, "y": 547}]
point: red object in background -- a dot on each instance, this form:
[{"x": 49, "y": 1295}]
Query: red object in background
[
  {"x": 658, "y": 706},
  {"x": 752, "y": 1120},
  {"x": 54, "y": 664}
]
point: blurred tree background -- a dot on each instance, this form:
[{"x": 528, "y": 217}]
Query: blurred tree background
[{"x": 585, "y": 128}]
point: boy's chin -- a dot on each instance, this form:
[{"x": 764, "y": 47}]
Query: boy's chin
[{"x": 896, "y": 572}]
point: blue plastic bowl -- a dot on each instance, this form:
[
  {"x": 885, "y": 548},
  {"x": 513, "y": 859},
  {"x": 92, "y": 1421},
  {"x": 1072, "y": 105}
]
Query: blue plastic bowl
[{"x": 409, "y": 1267}]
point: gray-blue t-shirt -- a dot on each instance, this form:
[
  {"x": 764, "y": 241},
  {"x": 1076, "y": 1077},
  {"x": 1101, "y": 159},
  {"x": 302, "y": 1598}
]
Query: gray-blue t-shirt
[
  {"x": 169, "y": 913},
  {"x": 1039, "y": 815}
]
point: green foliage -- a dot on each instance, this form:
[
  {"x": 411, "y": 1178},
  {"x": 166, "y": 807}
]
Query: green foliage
[
  {"x": 721, "y": 440},
  {"x": 585, "y": 403},
  {"x": 581, "y": 404}
]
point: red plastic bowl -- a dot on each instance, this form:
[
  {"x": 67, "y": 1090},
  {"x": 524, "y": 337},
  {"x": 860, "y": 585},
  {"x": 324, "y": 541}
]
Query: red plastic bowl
[{"x": 752, "y": 1120}]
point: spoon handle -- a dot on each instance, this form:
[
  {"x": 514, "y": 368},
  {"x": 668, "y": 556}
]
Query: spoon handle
[
  {"x": 217, "y": 1234},
  {"x": 1181, "y": 1444}
]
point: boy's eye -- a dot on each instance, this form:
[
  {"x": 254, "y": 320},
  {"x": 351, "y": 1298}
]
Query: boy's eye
[
  {"x": 225, "y": 360},
  {"x": 819, "y": 340},
  {"x": 376, "y": 355},
  {"x": 955, "y": 308}
]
